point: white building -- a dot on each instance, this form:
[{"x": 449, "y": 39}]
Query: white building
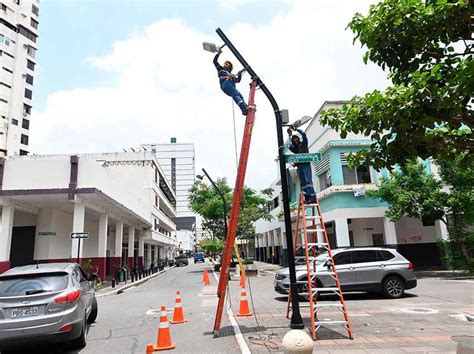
[
  {"x": 122, "y": 200},
  {"x": 186, "y": 240},
  {"x": 177, "y": 161},
  {"x": 19, "y": 22},
  {"x": 351, "y": 218}
]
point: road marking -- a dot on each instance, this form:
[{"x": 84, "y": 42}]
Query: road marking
[{"x": 237, "y": 333}]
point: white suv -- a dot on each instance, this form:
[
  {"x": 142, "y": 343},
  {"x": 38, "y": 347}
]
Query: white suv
[{"x": 369, "y": 269}]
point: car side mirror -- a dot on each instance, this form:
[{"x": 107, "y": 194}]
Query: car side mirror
[{"x": 92, "y": 277}]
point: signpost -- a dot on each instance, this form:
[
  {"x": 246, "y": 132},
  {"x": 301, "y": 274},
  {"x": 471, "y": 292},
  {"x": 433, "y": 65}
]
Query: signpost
[
  {"x": 79, "y": 236},
  {"x": 298, "y": 158}
]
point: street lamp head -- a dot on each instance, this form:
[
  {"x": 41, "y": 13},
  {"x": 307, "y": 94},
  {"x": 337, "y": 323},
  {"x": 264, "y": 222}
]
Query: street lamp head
[
  {"x": 210, "y": 47},
  {"x": 199, "y": 177}
]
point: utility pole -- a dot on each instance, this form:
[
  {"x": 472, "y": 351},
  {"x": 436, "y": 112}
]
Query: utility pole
[{"x": 296, "y": 321}]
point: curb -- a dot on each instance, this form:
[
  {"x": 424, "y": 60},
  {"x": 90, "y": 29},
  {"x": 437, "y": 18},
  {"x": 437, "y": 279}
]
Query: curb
[{"x": 136, "y": 283}]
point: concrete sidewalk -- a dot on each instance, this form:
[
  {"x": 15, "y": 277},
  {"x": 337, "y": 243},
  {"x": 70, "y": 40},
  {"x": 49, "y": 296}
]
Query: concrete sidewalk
[{"x": 430, "y": 318}]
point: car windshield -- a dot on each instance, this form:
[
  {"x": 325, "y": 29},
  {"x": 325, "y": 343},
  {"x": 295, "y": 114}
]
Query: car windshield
[
  {"x": 198, "y": 255},
  {"x": 30, "y": 284},
  {"x": 181, "y": 257}
]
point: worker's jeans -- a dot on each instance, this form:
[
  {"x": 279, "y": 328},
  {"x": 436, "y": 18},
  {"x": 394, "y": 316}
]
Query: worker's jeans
[
  {"x": 229, "y": 89},
  {"x": 306, "y": 180}
]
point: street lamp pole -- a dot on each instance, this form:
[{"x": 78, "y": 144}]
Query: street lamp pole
[
  {"x": 222, "y": 197},
  {"x": 296, "y": 321}
]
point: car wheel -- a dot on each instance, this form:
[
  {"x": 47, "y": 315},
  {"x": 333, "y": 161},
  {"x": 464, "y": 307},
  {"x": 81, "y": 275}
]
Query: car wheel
[
  {"x": 393, "y": 287},
  {"x": 81, "y": 341},
  {"x": 93, "y": 315}
]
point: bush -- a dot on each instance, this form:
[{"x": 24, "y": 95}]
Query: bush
[{"x": 453, "y": 256}]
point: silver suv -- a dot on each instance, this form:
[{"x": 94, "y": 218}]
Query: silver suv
[
  {"x": 46, "y": 303},
  {"x": 369, "y": 269}
]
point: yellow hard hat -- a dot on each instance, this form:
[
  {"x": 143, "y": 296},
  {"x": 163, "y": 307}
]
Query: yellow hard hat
[{"x": 230, "y": 63}]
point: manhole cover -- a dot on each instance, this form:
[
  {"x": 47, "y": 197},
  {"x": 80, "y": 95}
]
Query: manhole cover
[{"x": 420, "y": 310}]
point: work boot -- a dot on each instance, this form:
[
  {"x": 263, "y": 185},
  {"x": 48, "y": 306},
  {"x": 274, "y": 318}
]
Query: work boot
[
  {"x": 244, "y": 108},
  {"x": 310, "y": 200}
]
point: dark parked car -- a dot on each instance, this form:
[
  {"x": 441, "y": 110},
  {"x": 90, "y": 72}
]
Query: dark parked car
[
  {"x": 46, "y": 303},
  {"x": 199, "y": 257},
  {"x": 181, "y": 260}
]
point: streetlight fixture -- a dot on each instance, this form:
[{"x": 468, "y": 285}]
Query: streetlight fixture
[
  {"x": 296, "y": 321},
  {"x": 199, "y": 177}
]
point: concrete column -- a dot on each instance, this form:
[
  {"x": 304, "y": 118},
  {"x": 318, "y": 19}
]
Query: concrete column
[
  {"x": 131, "y": 246},
  {"x": 102, "y": 244},
  {"x": 390, "y": 233},
  {"x": 342, "y": 232},
  {"x": 118, "y": 240},
  {"x": 141, "y": 251},
  {"x": 148, "y": 256},
  {"x": 441, "y": 231},
  {"x": 156, "y": 254},
  {"x": 78, "y": 226},
  {"x": 8, "y": 212}
]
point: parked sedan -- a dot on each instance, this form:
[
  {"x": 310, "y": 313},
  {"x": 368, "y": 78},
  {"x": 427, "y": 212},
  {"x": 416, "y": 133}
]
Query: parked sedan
[
  {"x": 46, "y": 303},
  {"x": 369, "y": 269},
  {"x": 181, "y": 260}
]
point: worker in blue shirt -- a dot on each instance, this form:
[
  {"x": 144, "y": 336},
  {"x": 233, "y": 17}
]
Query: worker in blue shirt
[
  {"x": 299, "y": 145},
  {"x": 227, "y": 81}
]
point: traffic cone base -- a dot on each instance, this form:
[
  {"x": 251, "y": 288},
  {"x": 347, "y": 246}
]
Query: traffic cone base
[
  {"x": 177, "y": 322},
  {"x": 149, "y": 348},
  {"x": 156, "y": 348}
]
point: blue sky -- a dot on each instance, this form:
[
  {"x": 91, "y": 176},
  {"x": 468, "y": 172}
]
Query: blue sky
[
  {"x": 71, "y": 31},
  {"x": 117, "y": 74}
]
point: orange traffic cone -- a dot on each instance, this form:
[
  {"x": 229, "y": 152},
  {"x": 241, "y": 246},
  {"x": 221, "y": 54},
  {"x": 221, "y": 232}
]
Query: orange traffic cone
[
  {"x": 242, "y": 279},
  {"x": 149, "y": 348},
  {"x": 244, "y": 309},
  {"x": 178, "y": 316},
  {"x": 163, "y": 341},
  {"x": 205, "y": 278}
]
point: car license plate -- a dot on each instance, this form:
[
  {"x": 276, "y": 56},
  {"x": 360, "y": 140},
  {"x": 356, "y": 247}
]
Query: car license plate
[{"x": 25, "y": 311}]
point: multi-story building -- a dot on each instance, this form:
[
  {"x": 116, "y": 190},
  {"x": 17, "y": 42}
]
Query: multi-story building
[
  {"x": 177, "y": 161},
  {"x": 351, "y": 218},
  {"x": 122, "y": 200},
  {"x": 19, "y": 22}
]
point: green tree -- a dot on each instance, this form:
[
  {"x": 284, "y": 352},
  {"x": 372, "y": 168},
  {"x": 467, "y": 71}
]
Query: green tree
[
  {"x": 206, "y": 201},
  {"x": 413, "y": 192},
  {"x": 427, "y": 112}
]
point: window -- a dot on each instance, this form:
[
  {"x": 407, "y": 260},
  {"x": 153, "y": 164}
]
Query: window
[
  {"x": 30, "y": 65},
  {"x": 24, "y": 139},
  {"x": 356, "y": 176},
  {"x": 14, "y": 121},
  {"x": 364, "y": 256},
  {"x": 34, "y": 23},
  {"x": 276, "y": 202},
  {"x": 23, "y": 152},
  {"x": 31, "y": 284},
  {"x": 35, "y": 10},
  {"x": 4, "y": 40},
  {"x": 29, "y": 79},
  {"x": 385, "y": 255},
  {"x": 343, "y": 258},
  {"x": 25, "y": 124},
  {"x": 156, "y": 200},
  {"x": 27, "y": 33},
  {"x": 2, "y": 52},
  {"x": 377, "y": 239},
  {"x": 4, "y": 7},
  {"x": 26, "y": 108},
  {"x": 325, "y": 180},
  {"x": 31, "y": 51},
  {"x": 28, "y": 93},
  {"x": 173, "y": 173}
]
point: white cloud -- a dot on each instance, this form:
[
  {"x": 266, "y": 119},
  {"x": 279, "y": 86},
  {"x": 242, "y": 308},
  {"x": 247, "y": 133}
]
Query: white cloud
[{"x": 166, "y": 85}]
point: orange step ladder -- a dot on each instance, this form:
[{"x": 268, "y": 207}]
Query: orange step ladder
[{"x": 311, "y": 240}]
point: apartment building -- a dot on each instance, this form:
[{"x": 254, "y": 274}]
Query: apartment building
[
  {"x": 19, "y": 21},
  {"x": 351, "y": 218},
  {"x": 177, "y": 161},
  {"x": 122, "y": 200}
]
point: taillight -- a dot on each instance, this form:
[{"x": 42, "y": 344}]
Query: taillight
[
  {"x": 66, "y": 328},
  {"x": 410, "y": 265},
  {"x": 71, "y": 297}
]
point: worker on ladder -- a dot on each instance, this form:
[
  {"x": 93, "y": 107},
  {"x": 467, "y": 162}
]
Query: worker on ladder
[
  {"x": 299, "y": 145},
  {"x": 227, "y": 81}
]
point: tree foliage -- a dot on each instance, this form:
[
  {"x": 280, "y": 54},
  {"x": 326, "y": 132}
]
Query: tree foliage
[
  {"x": 212, "y": 246},
  {"x": 206, "y": 201},
  {"x": 413, "y": 192},
  {"x": 427, "y": 112}
]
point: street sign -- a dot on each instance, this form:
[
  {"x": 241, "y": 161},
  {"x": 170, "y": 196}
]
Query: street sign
[
  {"x": 79, "y": 235},
  {"x": 47, "y": 233},
  {"x": 298, "y": 158}
]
